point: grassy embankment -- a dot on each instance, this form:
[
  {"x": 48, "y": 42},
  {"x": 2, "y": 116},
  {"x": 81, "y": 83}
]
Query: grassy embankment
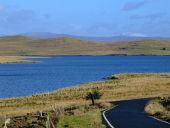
[
  {"x": 159, "y": 108},
  {"x": 126, "y": 86}
]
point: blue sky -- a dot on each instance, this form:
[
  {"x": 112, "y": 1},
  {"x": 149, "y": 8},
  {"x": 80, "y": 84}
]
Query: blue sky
[{"x": 86, "y": 17}]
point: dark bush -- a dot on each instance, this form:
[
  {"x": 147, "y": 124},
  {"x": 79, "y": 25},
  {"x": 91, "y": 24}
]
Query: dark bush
[
  {"x": 93, "y": 95},
  {"x": 165, "y": 101},
  {"x": 96, "y": 95}
]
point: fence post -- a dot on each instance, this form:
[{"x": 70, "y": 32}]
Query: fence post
[{"x": 48, "y": 122}]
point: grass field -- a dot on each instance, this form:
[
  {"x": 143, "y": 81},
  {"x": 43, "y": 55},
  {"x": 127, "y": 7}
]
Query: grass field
[
  {"x": 84, "y": 116},
  {"x": 27, "y": 46}
]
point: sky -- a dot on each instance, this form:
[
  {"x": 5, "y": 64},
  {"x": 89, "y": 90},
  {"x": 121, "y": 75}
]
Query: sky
[{"x": 86, "y": 17}]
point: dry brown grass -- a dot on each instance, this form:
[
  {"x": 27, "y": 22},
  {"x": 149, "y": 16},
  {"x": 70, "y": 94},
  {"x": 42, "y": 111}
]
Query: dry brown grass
[
  {"x": 159, "y": 108},
  {"x": 154, "y": 107},
  {"x": 20, "y": 46},
  {"x": 127, "y": 86},
  {"x": 14, "y": 59}
]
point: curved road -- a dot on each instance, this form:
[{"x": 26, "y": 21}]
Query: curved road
[{"x": 130, "y": 114}]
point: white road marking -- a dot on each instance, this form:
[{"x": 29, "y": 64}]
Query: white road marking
[
  {"x": 108, "y": 122},
  {"x": 159, "y": 120},
  {"x": 111, "y": 126}
]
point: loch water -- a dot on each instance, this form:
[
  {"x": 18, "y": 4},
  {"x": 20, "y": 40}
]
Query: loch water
[{"x": 63, "y": 71}]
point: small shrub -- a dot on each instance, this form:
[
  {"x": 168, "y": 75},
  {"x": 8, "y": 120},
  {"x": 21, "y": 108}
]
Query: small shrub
[
  {"x": 94, "y": 95},
  {"x": 165, "y": 101}
]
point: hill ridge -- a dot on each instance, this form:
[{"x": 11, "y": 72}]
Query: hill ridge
[{"x": 28, "y": 46}]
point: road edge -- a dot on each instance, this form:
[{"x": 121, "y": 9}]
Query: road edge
[
  {"x": 105, "y": 118},
  {"x": 159, "y": 120},
  {"x": 107, "y": 121}
]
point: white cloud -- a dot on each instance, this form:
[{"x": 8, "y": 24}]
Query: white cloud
[
  {"x": 136, "y": 34},
  {"x": 129, "y": 6}
]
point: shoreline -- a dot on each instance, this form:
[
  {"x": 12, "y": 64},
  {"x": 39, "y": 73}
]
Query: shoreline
[
  {"x": 18, "y": 59},
  {"x": 25, "y": 58},
  {"x": 68, "y": 93},
  {"x": 107, "y": 78},
  {"x": 46, "y": 56}
]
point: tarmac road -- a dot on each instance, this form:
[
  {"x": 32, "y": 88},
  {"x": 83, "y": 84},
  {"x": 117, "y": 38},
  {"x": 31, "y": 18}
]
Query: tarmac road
[{"x": 130, "y": 114}]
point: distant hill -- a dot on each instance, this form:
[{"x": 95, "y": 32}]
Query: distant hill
[
  {"x": 1, "y": 35},
  {"x": 95, "y": 39},
  {"x": 44, "y": 35},
  {"x": 28, "y": 46},
  {"x": 114, "y": 38}
]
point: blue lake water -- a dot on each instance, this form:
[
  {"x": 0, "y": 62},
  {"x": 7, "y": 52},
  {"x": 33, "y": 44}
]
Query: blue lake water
[{"x": 58, "y": 72}]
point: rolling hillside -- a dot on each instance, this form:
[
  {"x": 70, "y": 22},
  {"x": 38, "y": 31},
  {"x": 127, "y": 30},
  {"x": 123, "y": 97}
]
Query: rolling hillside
[
  {"x": 27, "y": 46},
  {"x": 107, "y": 39}
]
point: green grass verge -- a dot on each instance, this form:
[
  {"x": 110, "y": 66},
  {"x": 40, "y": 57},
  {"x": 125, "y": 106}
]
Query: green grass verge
[{"x": 90, "y": 119}]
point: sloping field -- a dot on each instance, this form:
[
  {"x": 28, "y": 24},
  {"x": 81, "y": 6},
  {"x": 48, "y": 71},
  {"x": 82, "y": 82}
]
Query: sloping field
[{"x": 26, "y": 46}]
